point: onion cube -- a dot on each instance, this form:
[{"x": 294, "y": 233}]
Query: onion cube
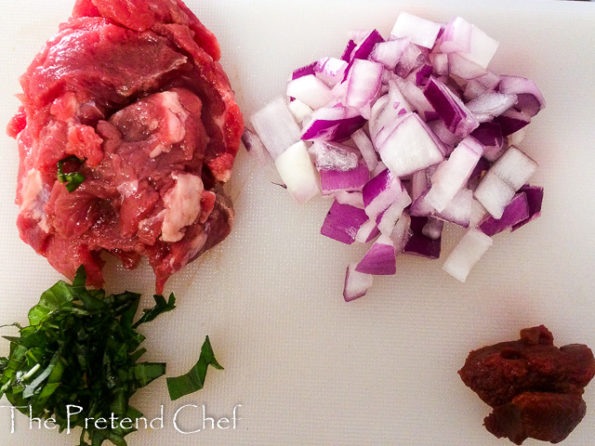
[
  {"x": 298, "y": 172},
  {"x": 276, "y": 126},
  {"x": 409, "y": 147},
  {"x": 420, "y": 31},
  {"x": 466, "y": 254}
]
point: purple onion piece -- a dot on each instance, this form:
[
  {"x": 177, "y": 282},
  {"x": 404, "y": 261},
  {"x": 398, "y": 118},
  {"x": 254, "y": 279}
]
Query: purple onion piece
[
  {"x": 516, "y": 212},
  {"x": 334, "y": 180},
  {"x": 303, "y": 71},
  {"x": 450, "y": 108},
  {"x": 380, "y": 260},
  {"x": 420, "y": 244},
  {"x": 534, "y": 200},
  {"x": 342, "y": 222},
  {"x": 333, "y": 130}
]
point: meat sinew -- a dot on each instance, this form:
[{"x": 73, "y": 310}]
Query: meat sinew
[
  {"x": 131, "y": 95},
  {"x": 534, "y": 387}
]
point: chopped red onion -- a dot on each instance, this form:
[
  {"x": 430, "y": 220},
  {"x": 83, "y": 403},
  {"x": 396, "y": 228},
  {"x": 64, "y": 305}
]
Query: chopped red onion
[
  {"x": 380, "y": 259},
  {"x": 342, "y": 222},
  {"x": 534, "y": 196},
  {"x": 356, "y": 284},
  {"x": 420, "y": 244},
  {"x": 512, "y": 121},
  {"x": 490, "y": 135},
  {"x": 367, "y": 232},
  {"x": 299, "y": 110},
  {"x": 433, "y": 228},
  {"x": 420, "y": 31},
  {"x": 380, "y": 192},
  {"x": 530, "y": 98},
  {"x": 514, "y": 167},
  {"x": 365, "y": 47},
  {"x": 491, "y": 104},
  {"x": 332, "y": 123},
  {"x": 388, "y": 53},
  {"x": 354, "y": 198},
  {"x": 298, "y": 173},
  {"x": 401, "y": 233},
  {"x": 310, "y": 90},
  {"x": 440, "y": 144},
  {"x": 466, "y": 254},
  {"x": 333, "y": 156},
  {"x": 515, "y": 212},
  {"x": 275, "y": 126},
  {"x": 303, "y": 71},
  {"x": 366, "y": 148},
  {"x": 363, "y": 83},
  {"x": 389, "y": 217},
  {"x": 334, "y": 180},
  {"x": 330, "y": 70},
  {"x": 458, "y": 119},
  {"x": 469, "y": 41},
  {"x": 410, "y": 147},
  {"x": 452, "y": 174}
]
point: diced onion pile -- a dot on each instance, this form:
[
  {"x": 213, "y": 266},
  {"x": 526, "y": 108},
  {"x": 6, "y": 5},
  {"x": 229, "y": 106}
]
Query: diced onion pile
[{"x": 405, "y": 134}]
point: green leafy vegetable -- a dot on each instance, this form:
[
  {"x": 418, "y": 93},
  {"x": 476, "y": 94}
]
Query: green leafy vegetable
[
  {"x": 195, "y": 379},
  {"x": 81, "y": 348},
  {"x": 71, "y": 180}
]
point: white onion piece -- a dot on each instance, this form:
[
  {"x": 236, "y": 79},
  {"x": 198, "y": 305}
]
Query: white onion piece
[
  {"x": 433, "y": 228},
  {"x": 393, "y": 213},
  {"x": 401, "y": 232},
  {"x": 367, "y": 231},
  {"x": 356, "y": 284},
  {"x": 466, "y": 254},
  {"x": 514, "y": 167},
  {"x": 380, "y": 192},
  {"x": 452, "y": 174},
  {"x": 366, "y": 148},
  {"x": 298, "y": 173},
  {"x": 275, "y": 126},
  {"x": 514, "y": 139},
  {"x": 299, "y": 110},
  {"x": 440, "y": 63},
  {"x": 385, "y": 116},
  {"x": 415, "y": 97},
  {"x": 478, "y": 213},
  {"x": 333, "y": 156},
  {"x": 388, "y": 53},
  {"x": 330, "y": 70},
  {"x": 363, "y": 83},
  {"x": 494, "y": 194},
  {"x": 469, "y": 41},
  {"x": 310, "y": 90},
  {"x": 488, "y": 105},
  {"x": 459, "y": 209},
  {"x": 410, "y": 147},
  {"x": 420, "y": 31}
]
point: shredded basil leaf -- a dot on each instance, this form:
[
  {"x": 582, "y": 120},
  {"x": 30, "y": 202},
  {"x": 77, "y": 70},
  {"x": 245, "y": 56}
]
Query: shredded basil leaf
[
  {"x": 71, "y": 180},
  {"x": 193, "y": 380},
  {"x": 82, "y": 348}
]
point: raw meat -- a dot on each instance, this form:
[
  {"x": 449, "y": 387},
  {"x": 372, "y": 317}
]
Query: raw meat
[{"x": 134, "y": 90}]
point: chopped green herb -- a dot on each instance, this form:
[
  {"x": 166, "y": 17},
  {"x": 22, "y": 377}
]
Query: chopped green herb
[
  {"x": 195, "y": 379},
  {"x": 81, "y": 348},
  {"x": 71, "y": 180}
]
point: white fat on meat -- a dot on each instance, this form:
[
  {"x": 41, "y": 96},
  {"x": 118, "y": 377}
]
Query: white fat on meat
[
  {"x": 182, "y": 206},
  {"x": 175, "y": 122},
  {"x": 33, "y": 197}
]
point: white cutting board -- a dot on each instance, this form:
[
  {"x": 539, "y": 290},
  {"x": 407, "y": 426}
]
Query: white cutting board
[{"x": 308, "y": 368}]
